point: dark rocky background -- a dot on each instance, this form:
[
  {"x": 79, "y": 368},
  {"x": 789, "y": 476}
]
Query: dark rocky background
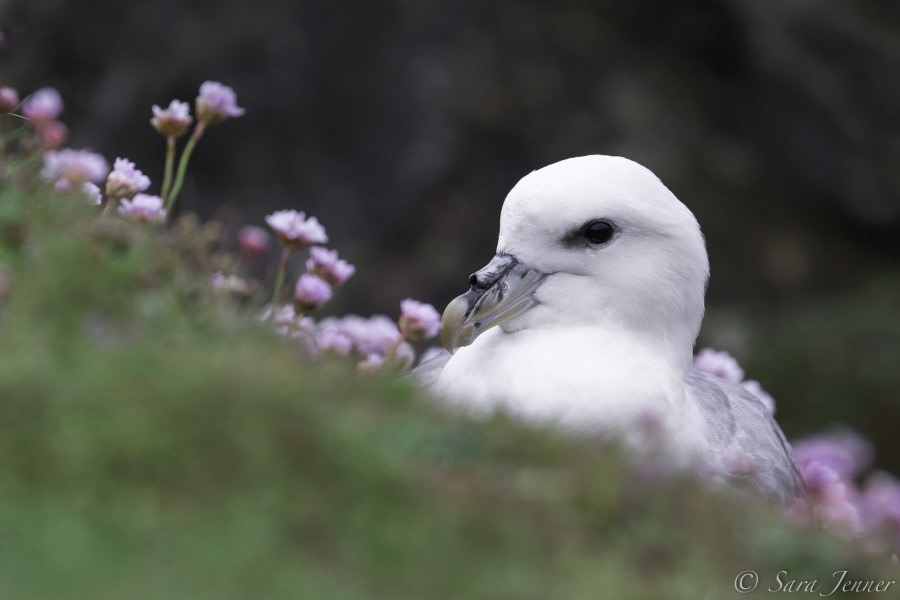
[{"x": 402, "y": 124}]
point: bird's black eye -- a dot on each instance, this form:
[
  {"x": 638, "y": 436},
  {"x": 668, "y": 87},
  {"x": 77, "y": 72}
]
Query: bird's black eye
[{"x": 598, "y": 232}]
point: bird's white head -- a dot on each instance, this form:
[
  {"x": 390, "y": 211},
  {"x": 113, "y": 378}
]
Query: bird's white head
[{"x": 588, "y": 241}]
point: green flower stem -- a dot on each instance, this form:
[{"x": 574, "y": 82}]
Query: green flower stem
[
  {"x": 279, "y": 281},
  {"x": 183, "y": 163},
  {"x": 170, "y": 163}
]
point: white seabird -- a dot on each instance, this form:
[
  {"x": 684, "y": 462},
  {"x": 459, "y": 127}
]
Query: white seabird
[{"x": 586, "y": 318}]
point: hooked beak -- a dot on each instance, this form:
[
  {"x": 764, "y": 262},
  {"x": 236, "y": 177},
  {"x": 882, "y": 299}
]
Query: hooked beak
[{"x": 503, "y": 289}]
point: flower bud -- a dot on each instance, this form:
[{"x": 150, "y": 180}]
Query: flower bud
[
  {"x": 125, "y": 180},
  {"x": 254, "y": 241},
  {"x": 53, "y": 134},
  {"x": 295, "y": 231},
  {"x": 418, "y": 321},
  {"x": 172, "y": 121},
  {"x": 216, "y": 103},
  {"x": 9, "y": 100},
  {"x": 327, "y": 265},
  {"x": 44, "y": 105}
]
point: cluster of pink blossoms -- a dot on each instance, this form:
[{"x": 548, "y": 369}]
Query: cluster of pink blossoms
[
  {"x": 70, "y": 169},
  {"x": 375, "y": 341},
  {"x": 43, "y": 109},
  {"x": 832, "y": 466},
  {"x": 326, "y": 264},
  {"x": 83, "y": 171},
  {"x": 123, "y": 189}
]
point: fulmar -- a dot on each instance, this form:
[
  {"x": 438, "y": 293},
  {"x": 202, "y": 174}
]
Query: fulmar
[{"x": 586, "y": 319}]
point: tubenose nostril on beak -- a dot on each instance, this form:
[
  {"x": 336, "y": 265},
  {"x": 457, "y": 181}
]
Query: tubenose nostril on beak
[{"x": 478, "y": 281}]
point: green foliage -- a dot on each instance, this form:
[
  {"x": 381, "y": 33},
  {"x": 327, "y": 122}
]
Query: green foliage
[{"x": 158, "y": 442}]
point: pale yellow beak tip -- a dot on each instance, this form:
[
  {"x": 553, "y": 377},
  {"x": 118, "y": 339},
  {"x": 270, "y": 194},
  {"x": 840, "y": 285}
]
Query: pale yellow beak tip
[{"x": 453, "y": 323}]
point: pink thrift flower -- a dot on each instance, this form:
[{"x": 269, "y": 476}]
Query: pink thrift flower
[
  {"x": 53, "y": 134},
  {"x": 418, "y": 321},
  {"x": 375, "y": 335},
  {"x": 881, "y": 500},
  {"x": 720, "y": 364},
  {"x": 70, "y": 167},
  {"x": 832, "y": 497},
  {"x": 125, "y": 180},
  {"x": 44, "y": 105},
  {"x": 92, "y": 192},
  {"x": 143, "y": 207},
  {"x": 335, "y": 341},
  {"x": 216, "y": 103},
  {"x": 310, "y": 293},
  {"x": 172, "y": 121},
  {"x": 753, "y": 386},
  {"x": 254, "y": 240},
  {"x": 327, "y": 265},
  {"x": 295, "y": 231},
  {"x": 9, "y": 100},
  {"x": 842, "y": 450}
]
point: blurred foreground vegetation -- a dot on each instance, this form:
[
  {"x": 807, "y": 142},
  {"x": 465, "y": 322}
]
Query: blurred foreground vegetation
[{"x": 159, "y": 442}]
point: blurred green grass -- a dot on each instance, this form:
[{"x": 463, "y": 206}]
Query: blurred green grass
[{"x": 156, "y": 441}]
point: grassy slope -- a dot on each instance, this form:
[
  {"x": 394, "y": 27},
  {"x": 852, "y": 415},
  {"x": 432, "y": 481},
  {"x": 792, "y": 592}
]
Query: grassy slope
[{"x": 154, "y": 443}]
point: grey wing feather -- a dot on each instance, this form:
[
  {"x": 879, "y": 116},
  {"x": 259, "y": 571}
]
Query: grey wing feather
[
  {"x": 427, "y": 372},
  {"x": 740, "y": 428}
]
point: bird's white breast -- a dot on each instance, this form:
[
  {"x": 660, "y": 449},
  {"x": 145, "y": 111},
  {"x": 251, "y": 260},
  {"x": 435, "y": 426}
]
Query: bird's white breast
[{"x": 581, "y": 379}]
